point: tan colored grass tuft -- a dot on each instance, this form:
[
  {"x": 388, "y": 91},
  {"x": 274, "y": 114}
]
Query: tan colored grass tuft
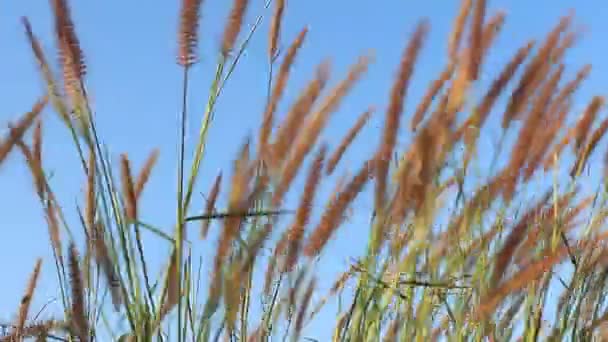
[
  {"x": 335, "y": 157},
  {"x": 70, "y": 52},
  {"x": 333, "y": 215},
  {"x": 234, "y": 25},
  {"x": 188, "y": 32},
  {"x": 473, "y": 124},
  {"x": 518, "y": 281},
  {"x": 26, "y": 300},
  {"x": 290, "y": 128},
  {"x": 584, "y": 154},
  {"x": 278, "y": 89},
  {"x": 19, "y": 129},
  {"x": 275, "y": 29},
  {"x": 146, "y": 171},
  {"x": 210, "y": 207},
  {"x": 316, "y": 123},
  {"x": 584, "y": 124},
  {"x": 520, "y": 152},
  {"x": 304, "y": 304},
  {"x": 514, "y": 238},
  {"x": 78, "y": 316},
  {"x": 476, "y": 40},
  {"x": 458, "y": 29},
  {"x": 394, "y": 110},
  {"x": 430, "y": 95},
  {"x": 295, "y": 234},
  {"x": 128, "y": 192}
]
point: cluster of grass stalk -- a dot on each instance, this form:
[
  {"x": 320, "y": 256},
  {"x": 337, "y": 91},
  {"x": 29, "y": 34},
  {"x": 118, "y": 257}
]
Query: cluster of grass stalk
[{"x": 483, "y": 275}]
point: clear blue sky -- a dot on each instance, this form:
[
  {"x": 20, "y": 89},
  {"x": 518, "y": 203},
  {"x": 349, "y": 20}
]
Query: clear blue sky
[{"x": 135, "y": 87}]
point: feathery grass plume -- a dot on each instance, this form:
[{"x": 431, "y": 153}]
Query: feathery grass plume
[
  {"x": 584, "y": 124},
  {"x": 491, "y": 30},
  {"x": 295, "y": 234},
  {"x": 144, "y": 174},
  {"x": 128, "y": 191},
  {"x": 335, "y": 157},
  {"x": 70, "y": 53},
  {"x": 304, "y": 304},
  {"x": 37, "y": 142},
  {"x": 513, "y": 240},
  {"x": 233, "y": 25},
  {"x": 458, "y": 29},
  {"x": 333, "y": 216},
  {"x": 91, "y": 204},
  {"x": 542, "y": 142},
  {"x": 521, "y": 93},
  {"x": 569, "y": 39},
  {"x": 430, "y": 95},
  {"x": 210, "y": 206},
  {"x": 584, "y": 154},
  {"x": 53, "y": 224},
  {"x": 520, "y": 152},
  {"x": 472, "y": 126},
  {"x": 278, "y": 89},
  {"x": 395, "y": 108},
  {"x": 78, "y": 317},
  {"x": 188, "y": 32},
  {"x": 558, "y": 148},
  {"x": 290, "y": 128},
  {"x": 102, "y": 257},
  {"x": 275, "y": 29},
  {"x": 316, "y": 123},
  {"x": 27, "y": 300},
  {"x": 19, "y": 129},
  {"x": 475, "y": 40},
  {"x": 35, "y": 168},
  {"x": 519, "y": 280}
]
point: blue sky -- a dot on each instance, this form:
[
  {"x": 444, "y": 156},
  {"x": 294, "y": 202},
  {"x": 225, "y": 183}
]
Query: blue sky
[{"x": 135, "y": 88}]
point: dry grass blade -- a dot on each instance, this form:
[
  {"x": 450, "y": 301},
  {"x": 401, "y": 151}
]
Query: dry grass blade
[
  {"x": 188, "y": 32},
  {"x": 19, "y": 129},
  {"x": 27, "y": 300},
  {"x": 79, "y": 321},
  {"x": 334, "y": 159}
]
